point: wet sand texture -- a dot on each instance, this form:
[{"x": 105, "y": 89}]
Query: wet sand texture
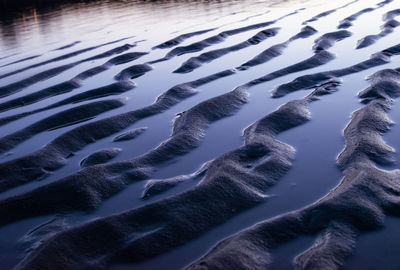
[{"x": 92, "y": 129}]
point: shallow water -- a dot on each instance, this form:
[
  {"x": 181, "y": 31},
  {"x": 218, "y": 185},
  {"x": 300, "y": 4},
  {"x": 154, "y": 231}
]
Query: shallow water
[{"x": 37, "y": 35}]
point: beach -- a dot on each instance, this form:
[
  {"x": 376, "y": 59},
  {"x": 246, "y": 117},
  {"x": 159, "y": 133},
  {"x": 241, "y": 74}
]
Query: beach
[{"x": 199, "y": 135}]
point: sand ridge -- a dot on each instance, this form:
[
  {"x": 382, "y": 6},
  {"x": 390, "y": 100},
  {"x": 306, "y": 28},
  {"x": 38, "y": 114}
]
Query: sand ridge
[{"x": 95, "y": 129}]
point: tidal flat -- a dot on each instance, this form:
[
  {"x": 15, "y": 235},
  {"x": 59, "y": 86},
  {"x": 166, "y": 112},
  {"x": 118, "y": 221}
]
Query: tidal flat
[{"x": 199, "y": 134}]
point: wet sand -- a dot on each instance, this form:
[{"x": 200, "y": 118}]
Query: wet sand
[{"x": 200, "y": 145}]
